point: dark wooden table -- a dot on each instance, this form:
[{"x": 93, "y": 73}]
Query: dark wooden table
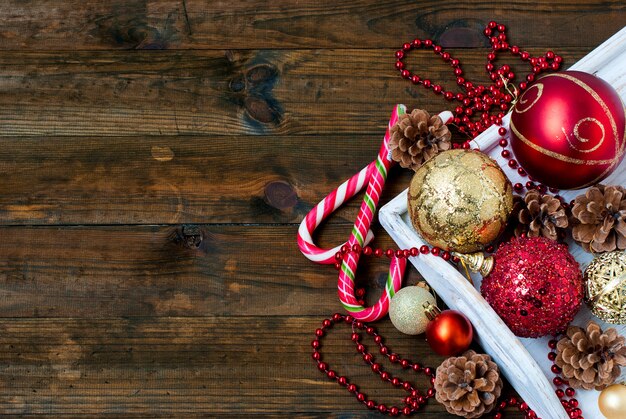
[{"x": 156, "y": 158}]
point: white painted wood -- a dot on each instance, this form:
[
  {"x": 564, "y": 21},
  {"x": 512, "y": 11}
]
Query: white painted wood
[{"x": 523, "y": 361}]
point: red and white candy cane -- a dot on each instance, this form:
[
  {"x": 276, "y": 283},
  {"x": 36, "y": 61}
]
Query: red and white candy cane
[{"x": 374, "y": 175}]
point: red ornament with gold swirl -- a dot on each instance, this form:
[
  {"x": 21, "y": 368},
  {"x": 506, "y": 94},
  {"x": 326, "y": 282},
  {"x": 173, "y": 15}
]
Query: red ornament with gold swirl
[{"x": 568, "y": 130}]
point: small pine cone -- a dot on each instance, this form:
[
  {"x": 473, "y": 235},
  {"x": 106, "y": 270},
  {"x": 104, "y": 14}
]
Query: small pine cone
[
  {"x": 539, "y": 215},
  {"x": 590, "y": 358},
  {"x": 468, "y": 385},
  {"x": 599, "y": 219},
  {"x": 417, "y": 137}
]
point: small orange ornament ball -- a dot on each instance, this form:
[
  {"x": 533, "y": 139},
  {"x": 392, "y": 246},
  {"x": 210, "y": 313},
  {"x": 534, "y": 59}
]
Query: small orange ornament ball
[
  {"x": 567, "y": 130},
  {"x": 450, "y": 333}
]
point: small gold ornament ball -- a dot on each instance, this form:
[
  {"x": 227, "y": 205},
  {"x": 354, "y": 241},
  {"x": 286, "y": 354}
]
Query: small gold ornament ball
[
  {"x": 407, "y": 311},
  {"x": 605, "y": 287},
  {"x": 460, "y": 200},
  {"x": 612, "y": 401}
]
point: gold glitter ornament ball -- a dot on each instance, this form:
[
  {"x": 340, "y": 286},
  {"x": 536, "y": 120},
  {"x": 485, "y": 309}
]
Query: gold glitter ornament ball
[
  {"x": 605, "y": 287},
  {"x": 460, "y": 200},
  {"x": 407, "y": 309}
]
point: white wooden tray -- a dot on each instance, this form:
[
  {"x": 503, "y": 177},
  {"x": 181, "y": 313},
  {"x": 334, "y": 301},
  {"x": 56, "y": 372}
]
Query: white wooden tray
[{"x": 524, "y": 362}]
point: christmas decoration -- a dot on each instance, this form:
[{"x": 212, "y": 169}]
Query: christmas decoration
[
  {"x": 535, "y": 286},
  {"x": 539, "y": 215},
  {"x": 449, "y": 332},
  {"x": 479, "y": 107},
  {"x": 567, "y": 129},
  {"x": 474, "y": 115},
  {"x": 476, "y": 262},
  {"x": 415, "y": 398},
  {"x": 571, "y": 405},
  {"x": 612, "y": 401},
  {"x": 484, "y": 383},
  {"x": 374, "y": 176},
  {"x": 468, "y": 385},
  {"x": 605, "y": 280},
  {"x": 407, "y": 309},
  {"x": 599, "y": 219},
  {"x": 590, "y": 358},
  {"x": 417, "y": 137},
  {"x": 460, "y": 200}
]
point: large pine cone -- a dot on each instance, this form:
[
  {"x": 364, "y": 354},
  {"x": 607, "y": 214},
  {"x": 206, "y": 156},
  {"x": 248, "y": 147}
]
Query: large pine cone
[
  {"x": 417, "y": 137},
  {"x": 589, "y": 358},
  {"x": 468, "y": 385},
  {"x": 539, "y": 215},
  {"x": 599, "y": 219}
]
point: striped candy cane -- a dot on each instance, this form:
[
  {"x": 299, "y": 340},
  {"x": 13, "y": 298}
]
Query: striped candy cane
[
  {"x": 345, "y": 284},
  {"x": 321, "y": 211},
  {"x": 374, "y": 176}
]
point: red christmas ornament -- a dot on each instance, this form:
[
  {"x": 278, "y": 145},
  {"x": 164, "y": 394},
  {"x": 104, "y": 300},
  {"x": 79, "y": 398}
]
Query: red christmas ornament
[
  {"x": 449, "y": 333},
  {"x": 535, "y": 286},
  {"x": 567, "y": 130}
]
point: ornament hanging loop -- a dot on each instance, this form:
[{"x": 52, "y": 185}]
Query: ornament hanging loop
[{"x": 477, "y": 262}]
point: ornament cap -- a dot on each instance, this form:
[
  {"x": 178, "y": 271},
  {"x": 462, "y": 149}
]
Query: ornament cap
[
  {"x": 477, "y": 262},
  {"x": 430, "y": 310}
]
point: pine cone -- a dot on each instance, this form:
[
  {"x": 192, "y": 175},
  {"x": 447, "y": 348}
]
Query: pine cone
[
  {"x": 599, "y": 219},
  {"x": 539, "y": 215},
  {"x": 417, "y": 137},
  {"x": 468, "y": 385},
  {"x": 589, "y": 358}
]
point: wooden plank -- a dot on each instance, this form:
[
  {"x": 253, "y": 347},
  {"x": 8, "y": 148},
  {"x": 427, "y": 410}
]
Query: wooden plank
[
  {"x": 260, "y": 92},
  {"x": 201, "y": 365},
  {"x": 158, "y": 271},
  {"x": 196, "y": 24},
  {"x": 169, "y": 180}
]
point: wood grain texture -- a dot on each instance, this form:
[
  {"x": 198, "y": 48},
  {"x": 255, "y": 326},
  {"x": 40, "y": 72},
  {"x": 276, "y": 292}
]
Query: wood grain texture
[
  {"x": 224, "y": 366},
  {"x": 157, "y": 179},
  {"x": 169, "y": 180},
  {"x": 158, "y": 271},
  {"x": 258, "y": 92},
  {"x": 198, "y": 24}
]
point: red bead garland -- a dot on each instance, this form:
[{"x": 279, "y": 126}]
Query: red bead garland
[
  {"x": 482, "y": 106},
  {"x": 416, "y": 398},
  {"x": 389, "y": 253},
  {"x": 570, "y": 405},
  {"x": 412, "y": 403},
  {"x": 514, "y": 402},
  {"x": 519, "y": 187}
]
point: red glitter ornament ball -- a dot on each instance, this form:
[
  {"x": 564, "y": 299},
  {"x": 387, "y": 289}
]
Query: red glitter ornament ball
[
  {"x": 536, "y": 286},
  {"x": 567, "y": 130}
]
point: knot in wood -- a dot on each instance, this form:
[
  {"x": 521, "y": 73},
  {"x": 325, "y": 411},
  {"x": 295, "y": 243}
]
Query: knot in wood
[{"x": 191, "y": 236}]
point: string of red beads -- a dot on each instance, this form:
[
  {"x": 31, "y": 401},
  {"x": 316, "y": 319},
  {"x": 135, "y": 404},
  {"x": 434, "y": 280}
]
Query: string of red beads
[
  {"x": 570, "y": 405},
  {"x": 390, "y": 253},
  {"x": 482, "y": 106},
  {"x": 514, "y": 402},
  {"x": 415, "y": 398},
  {"x": 519, "y": 187}
]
